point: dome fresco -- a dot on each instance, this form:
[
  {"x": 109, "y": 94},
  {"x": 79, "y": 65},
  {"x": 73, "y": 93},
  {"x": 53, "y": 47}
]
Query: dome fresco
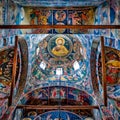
[
  {"x": 51, "y": 73},
  {"x": 59, "y": 55},
  {"x": 45, "y": 66}
]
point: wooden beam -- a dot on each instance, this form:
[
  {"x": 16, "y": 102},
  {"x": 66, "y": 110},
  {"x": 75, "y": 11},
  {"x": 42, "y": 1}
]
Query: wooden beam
[
  {"x": 55, "y": 107},
  {"x": 14, "y": 70},
  {"x": 62, "y": 8},
  {"x": 104, "y": 81},
  {"x": 60, "y": 26},
  {"x": 15, "y": 61}
]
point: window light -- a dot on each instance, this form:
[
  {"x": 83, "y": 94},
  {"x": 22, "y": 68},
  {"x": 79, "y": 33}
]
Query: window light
[
  {"x": 59, "y": 71},
  {"x": 43, "y": 65},
  {"x": 76, "y": 65},
  {"x": 37, "y": 51}
]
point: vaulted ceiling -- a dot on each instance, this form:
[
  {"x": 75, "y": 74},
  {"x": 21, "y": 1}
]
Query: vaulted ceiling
[
  {"x": 62, "y": 69},
  {"x": 59, "y": 3}
]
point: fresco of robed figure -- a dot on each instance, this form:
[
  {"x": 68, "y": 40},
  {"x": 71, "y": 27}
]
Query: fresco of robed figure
[{"x": 60, "y": 50}]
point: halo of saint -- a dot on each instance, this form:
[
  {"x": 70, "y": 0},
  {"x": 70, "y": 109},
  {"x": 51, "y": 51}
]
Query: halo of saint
[{"x": 60, "y": 50}]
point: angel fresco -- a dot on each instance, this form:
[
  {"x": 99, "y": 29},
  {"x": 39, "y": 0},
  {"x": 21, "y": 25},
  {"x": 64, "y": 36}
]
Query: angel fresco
[
  {"x": 54, "y": 93},
  {"x": 39, "y": 16}
]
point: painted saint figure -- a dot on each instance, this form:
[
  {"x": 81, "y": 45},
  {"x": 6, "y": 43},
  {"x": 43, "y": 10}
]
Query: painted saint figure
[
  {"x": 62, "y": 92},
  {"x": 60, "y": 49},
  {"x": 54, "y": 93},
  {"x": 113, "y": 71}
]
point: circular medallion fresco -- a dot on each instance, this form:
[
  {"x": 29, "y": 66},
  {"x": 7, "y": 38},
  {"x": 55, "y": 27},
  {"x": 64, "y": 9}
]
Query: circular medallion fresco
[
  {"x": 26, "y": 119},
  {"x": 32, "y": 113},
  {"x": 59, "y": 50},
  {"x": 59, "y": 46},
  {"x": 60, "y": 30},
  {"x": 60, "y": 15}
]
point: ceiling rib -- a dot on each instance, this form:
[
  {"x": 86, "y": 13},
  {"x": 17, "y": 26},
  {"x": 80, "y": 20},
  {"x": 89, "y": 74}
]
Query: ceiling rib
[{"x": 49, "y": 107}]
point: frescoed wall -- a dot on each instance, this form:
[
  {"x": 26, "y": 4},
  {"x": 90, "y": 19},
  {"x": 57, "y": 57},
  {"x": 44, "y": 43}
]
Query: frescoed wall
[
  {"x": 106, "y": 14},
  {"x": 21, "y": 80},
  {"x": 41, "y": 16},
  {"x": 63, "y": 115},
  {"x": 115, "y": 18},
  {"x": 6, "y": 64},
  {"x": 1, "y": 13},
  {"x": 57, "y": 51},
  {"x": 102, "y": 17},
  {"x": 79, "y": 51},
  {"x": 112, "y": 65},
  {"x": 112, "y": 88},
  {"x": 48, "y": 52},
  {"x": 62, "y": 3},
  {"x": 55, "y": 95},
  {"x": 55, "y": 115}
]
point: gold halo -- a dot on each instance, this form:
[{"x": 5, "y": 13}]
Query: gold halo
[
  {"x": 26, "y": 119},
  {"x": 32, "y": 113},
  {"x": 88, "y": 118},
  {"x": 60, "y": 38}
]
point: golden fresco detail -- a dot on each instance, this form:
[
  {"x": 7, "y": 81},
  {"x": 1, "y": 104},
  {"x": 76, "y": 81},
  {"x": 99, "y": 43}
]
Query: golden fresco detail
[{"x": 60, "y": 50}]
